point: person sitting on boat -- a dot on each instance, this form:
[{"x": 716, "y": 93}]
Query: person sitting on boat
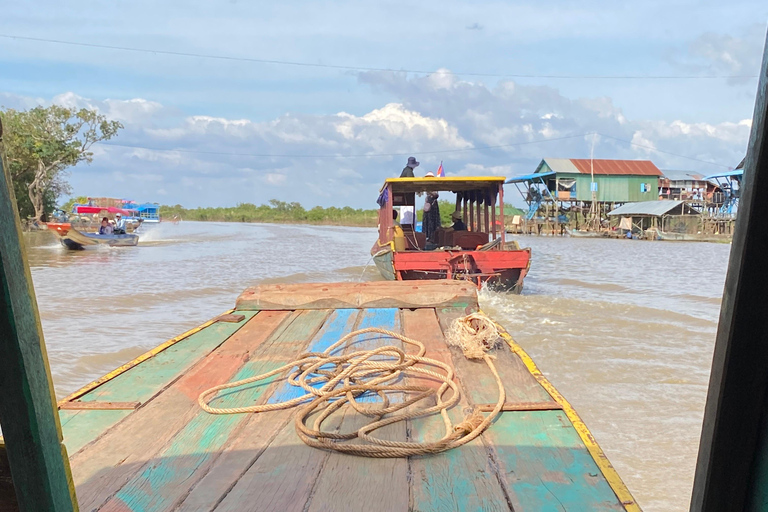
[
  {"x": 458, "y": 223},
  {"x": 106, "y": 227},
  {"x": 409, "y": 167},
  {"x": 119, "y": 224}
]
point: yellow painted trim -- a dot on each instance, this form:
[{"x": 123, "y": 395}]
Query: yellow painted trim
[
  {"x": 454, "y": 179},
  {"x": 609, "y": 472},
  {"x": 143, "y": 357}
]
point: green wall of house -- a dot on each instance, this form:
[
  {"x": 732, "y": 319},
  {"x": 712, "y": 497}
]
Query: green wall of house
[{"x": 618, "y": 188}]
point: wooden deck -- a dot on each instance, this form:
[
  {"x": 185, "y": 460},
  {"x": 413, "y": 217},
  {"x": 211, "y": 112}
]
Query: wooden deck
[{"x": 138, "y": 440}]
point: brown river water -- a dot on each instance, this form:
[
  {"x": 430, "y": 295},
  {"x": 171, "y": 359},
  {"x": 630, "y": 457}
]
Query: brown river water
[{"x": 624, "y": 329}]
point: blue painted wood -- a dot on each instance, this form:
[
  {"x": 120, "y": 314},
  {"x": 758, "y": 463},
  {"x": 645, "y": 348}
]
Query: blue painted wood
[
  {"x": 385, "y": 318},
  {"x": 340, "y": 323}
]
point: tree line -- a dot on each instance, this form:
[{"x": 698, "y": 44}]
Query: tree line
[{"x": 41, "y": 145}]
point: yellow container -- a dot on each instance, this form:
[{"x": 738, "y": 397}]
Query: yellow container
[{"x": 399, "y": 239}]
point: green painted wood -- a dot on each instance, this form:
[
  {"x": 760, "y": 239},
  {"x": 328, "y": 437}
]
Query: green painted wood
[
  {"x": 28, "y": 417},
  {"x": 166, "y": 479},
  {"x": 545, "y": 464},
  {"x": 142, "y": 382},
  {"x": 459, "y": 479},
  {"x": 106, "y": 465}
]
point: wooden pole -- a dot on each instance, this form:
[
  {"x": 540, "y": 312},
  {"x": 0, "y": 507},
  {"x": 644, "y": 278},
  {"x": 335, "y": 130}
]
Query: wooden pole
[
  {"x": 501, "y": 215},
  {"x": 493, "y": 211},
  {"x": 732, "y": 468},
  {"x": 478, "y": 223},
  {"x": 464, "y": 208},
  {"x": 471, "y": 226},
  {"x": 28, "y": 414},
  {"x": 486, "y": 206}
]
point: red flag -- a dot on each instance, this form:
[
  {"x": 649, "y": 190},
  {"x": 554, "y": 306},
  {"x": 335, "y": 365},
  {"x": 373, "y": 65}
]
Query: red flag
[{"x": 440, "y": 172}]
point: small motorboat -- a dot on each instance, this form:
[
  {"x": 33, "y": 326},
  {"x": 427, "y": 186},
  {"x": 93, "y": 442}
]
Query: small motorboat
[{"x": 76, "y": 240}]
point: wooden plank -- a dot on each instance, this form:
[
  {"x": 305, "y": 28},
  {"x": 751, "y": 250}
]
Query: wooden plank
[
  {"x": 78, "y": 405},
  {"x": 545, "y": 465},
  {"x": 166, "y": 479},
  {"x": 30, "y": 423},
  {"x": 230, "y": 318},
  {"x": 520, "y": 386},
  {"x": 459, "y": 479},
  {"x": 278, "y": 474},
  {"x": 732, "y": 469},
  {"x": 142, "y": 382},
  {"x": 522, "y": 406},
  {"x": 103, "y": 467},
  {"x": 350, "y": 483},
  {"x": 377, "y": 294}
]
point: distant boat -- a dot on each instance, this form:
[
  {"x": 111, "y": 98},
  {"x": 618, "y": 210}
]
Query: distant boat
[{"x": 77, "y": 240}]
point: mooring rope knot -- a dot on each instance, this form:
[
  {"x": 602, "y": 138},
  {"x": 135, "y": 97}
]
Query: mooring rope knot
[{"x": 400, "y": 379}]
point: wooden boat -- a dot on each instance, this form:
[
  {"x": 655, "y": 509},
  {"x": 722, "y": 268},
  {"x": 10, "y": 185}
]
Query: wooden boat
[
  {"x": 73, "y": 239},
  {"x": 468, "y": 255},
  {"x": 138, "y": 440}
]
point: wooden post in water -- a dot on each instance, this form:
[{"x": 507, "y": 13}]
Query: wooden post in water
[
  {"x": 732, "y": 468},
  {"x": 28, "y": 415}
]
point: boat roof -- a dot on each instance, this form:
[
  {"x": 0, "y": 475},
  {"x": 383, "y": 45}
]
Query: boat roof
[
  {"x": 530, "y": 177},
  {"x": 735, "y": 172},
  {"x": 650, "y": 208},
  {"x": 446, "y": 184}
]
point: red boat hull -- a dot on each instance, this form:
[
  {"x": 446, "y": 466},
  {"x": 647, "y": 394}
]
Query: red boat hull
[{"x": 503, "y": 270}]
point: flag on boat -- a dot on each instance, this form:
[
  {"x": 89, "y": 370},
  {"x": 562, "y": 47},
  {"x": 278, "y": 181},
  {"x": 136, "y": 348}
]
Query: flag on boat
[{"x": 440, "y": 172}]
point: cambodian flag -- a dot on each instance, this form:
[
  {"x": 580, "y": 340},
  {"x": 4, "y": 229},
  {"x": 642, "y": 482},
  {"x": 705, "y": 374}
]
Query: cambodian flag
[{"x": 440, "y": 172}]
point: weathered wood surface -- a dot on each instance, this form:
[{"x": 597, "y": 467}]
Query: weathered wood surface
[
  {"x": 8, "y": 501},
  {"x": 106, "y": 465},
  {"x": 732, "y": 468},
  {"x": 456, "y": 480},
  {"x": 232, "y": 318},
  {"x": 141, "y": 383},
  {"x": 380, "y": 294},
  {"x": 77, "y": 405},
  {"x": 166, "y": 478},
  {"x": 352, "y": 483},
  {"x": 30, "y": 424},
  {"x": 170, "y": 455},
  {"x": 276, "y": 472}
]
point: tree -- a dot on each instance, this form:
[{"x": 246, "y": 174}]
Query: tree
[{"x": 42, "y": 143}]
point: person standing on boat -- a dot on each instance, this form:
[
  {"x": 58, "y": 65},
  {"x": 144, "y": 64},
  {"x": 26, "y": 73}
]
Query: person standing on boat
[
  {"x": 106, "y": 227},
  {"x": 431, "y": 216},
  {"x": 119, "y": 224},
  {"x": 409, "y": 167}
]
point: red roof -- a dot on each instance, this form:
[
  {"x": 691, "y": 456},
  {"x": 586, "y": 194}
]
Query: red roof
[{"x": 630, "y": 167}]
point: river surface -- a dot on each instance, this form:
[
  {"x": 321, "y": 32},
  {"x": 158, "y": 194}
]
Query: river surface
[{"x": 624, "y": 329}]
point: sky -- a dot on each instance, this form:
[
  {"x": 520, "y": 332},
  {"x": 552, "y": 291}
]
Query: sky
[{"x": 486, "y": 87}]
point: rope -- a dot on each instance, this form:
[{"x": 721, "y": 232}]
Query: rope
[{"x": 333, "y": 381}]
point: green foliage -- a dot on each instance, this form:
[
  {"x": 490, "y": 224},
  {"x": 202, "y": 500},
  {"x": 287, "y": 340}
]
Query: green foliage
[
  {"x": 276, "y": 211},
  {"x": 67, "y": 207},
  {"x": 42, "y": 143}
]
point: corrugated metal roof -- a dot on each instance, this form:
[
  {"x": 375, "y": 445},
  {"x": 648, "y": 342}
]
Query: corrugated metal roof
[
  {"x": 625, "y": 167},
  {"x": 654, "y": 208},
  {"x": 677, "y": 175},
  {"x": 562, "y": 165}
]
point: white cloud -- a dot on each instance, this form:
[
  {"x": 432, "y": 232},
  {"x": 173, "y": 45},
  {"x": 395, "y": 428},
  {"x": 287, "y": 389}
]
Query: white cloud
[{"x": 216, "y": 160}]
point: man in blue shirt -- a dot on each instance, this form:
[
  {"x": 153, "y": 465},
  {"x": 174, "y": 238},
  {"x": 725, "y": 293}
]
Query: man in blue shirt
[{"x": 119, "y": 224}]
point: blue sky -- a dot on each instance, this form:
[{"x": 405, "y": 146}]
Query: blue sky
[{"x": 212, "y": 116}]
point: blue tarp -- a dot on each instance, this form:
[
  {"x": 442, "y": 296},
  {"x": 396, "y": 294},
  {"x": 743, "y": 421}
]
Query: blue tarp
[{"x": 530, "y": 177}]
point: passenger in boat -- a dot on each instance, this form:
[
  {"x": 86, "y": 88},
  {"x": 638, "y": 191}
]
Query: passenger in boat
[
  {"x": 119, "y": 224},
  {"x": 431, "y": 217},
  {"x": 409, "y": 167},
  {"x": 106, "y": 227},
  {"x": 458, "y": 223}
]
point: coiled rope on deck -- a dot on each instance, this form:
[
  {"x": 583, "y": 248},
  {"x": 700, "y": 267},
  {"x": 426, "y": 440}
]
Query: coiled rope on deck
[{"x": 348, "y": 376}]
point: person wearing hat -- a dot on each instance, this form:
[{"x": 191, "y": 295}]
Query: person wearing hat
[
  {"x": 409, "y": 167},
  {"x": 119, "y": 224},
  {"x": 458, "y": 223}
]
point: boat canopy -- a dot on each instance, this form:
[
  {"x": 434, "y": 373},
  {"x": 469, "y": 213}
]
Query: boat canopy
[
  {"x": 446, "y": 184},
  {"x": 530, "y": 177},
  {"x": 99, "y": 209},
  {"x": 735, "y": 172}
]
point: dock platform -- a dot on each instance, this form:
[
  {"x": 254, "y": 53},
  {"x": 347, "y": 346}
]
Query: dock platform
[{"x": 138, "y": 440}]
